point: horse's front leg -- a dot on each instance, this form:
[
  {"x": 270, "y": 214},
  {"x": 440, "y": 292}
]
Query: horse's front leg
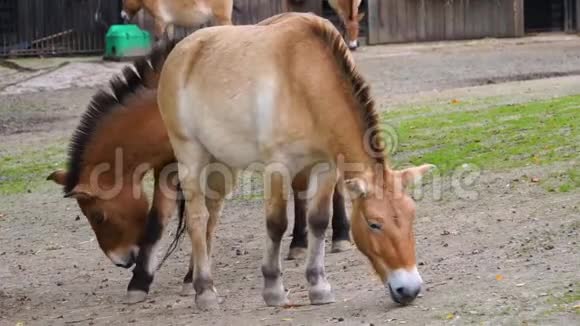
[
  {"x": 163, "y": 207},
  {"x": 164, "y": 30},
  {"x": 274, "y": 293},
  {"x": 319, "y": 212}
]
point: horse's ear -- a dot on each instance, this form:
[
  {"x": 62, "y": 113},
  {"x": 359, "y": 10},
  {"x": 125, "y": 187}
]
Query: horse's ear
[
  {"x": 356, "y": 187},
  {"x": 360, "y": 16},
  {"x": 80, "y": 191},
  {"x": 414, "y": 174},
  {"x": 58, "y": 176}
]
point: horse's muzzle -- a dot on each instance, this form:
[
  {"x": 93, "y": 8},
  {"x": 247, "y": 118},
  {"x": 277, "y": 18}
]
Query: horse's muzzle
[
  {"x": 125, "y": 16},
  {"x": 403, "y": 296}
]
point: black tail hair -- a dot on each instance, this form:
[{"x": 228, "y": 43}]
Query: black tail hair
[{"x": 180, "y": 231}]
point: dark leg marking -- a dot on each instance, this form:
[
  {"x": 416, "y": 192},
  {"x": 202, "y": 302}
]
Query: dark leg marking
[
  {"x": 299, "y": 233},
  {"x": 142, "y": 278},
  {"x": 201, "y": 284},
  {"x": 340, "y": 223},
  {"x": 188, "y": 277}
]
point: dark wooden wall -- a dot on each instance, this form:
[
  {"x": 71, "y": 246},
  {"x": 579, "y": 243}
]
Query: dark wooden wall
[
  {"x": 51, "y": 27},
  {"x": 253, "y": 11},
  {"x": 314, "y": 6},
  {"x": 392, "y": 21}
]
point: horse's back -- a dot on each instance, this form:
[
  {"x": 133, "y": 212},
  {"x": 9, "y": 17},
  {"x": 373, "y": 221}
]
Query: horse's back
[{"x": 245, "y": 85}]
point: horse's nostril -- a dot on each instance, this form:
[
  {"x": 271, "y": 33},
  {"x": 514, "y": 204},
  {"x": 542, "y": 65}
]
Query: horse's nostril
[{"x": 400, "y": 291}]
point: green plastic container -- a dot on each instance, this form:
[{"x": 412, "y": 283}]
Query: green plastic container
[{"x": 126, "y": 42}]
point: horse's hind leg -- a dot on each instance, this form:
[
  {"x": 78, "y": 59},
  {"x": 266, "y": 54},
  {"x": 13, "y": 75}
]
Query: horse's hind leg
[
  {"x": 274, "y": 293},
  {"x": 340, "y": 224},
  {"x": 220, "y": 182},
  {"x": 299, "y": 242},
  {"x": 319, "y": 212},
  {"x": 222, "y": 12},
  {"x": 340, "y": 227},
  {"x": 162, "y": 209},
  {"x": 193, "y": 157}
]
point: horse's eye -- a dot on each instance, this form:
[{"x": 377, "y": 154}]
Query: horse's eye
[{"x": 374, "y": 225}]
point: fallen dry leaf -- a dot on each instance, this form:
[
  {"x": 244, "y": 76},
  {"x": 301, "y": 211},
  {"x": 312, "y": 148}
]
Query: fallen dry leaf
[
  {"x": 499, "y": 277},
  {"x": 455, "y": 101}
]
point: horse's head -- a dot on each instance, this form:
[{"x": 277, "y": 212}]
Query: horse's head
[
  {"x": 130, "y": 9},
  {"x": 382, "y": 228},
  {"x": 118, "y": 222},
  {"x": 352, "y": 30}
]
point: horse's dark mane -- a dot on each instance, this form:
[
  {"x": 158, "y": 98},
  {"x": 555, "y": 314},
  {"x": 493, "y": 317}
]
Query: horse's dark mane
[
  {"x": 141, "y": 75},
  {"x": 360, "y": 88}
]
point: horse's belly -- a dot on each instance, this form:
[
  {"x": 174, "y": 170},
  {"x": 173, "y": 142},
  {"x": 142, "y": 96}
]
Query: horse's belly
[
  {"x": 226, "y": 133},
  {"x": 234, "y": 150},
  {"x": 191, "y": 17}
]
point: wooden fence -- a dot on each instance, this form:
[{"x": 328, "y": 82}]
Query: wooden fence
[
  {"x": 55, "y": 27},
  {"x": 392, "y": 21}
]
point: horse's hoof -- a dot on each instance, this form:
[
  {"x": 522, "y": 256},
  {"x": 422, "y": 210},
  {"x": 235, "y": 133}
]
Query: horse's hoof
[
  {"x": 135, "y": 296},
  {"x": 275, "y": 297},
  {"x": 187, "y": 290},
  {"x": 340, "y": 246},
  {"x": 321, "y": 294},
  {"x": 296, "y": 253},
  {"x": 207, "y": 300}
]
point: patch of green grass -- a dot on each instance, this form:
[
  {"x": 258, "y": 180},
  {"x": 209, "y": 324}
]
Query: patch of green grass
[
  {"x": 27, "y": 170},
  {"x": 507, "y": 136},
  {"x": 568, "y": 302},
  {"x": 564, "y": 181}
]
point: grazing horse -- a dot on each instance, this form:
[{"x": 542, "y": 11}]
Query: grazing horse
[
  {"x": 347, "y": 10},
  {"x": 296, "y": 106},
  {"x": 120, "y": 138},
  {"x": 185, "y": 13}
]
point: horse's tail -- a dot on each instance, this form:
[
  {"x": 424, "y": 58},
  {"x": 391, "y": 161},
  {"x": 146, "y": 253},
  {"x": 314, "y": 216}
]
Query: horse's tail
[{"x": 180, "y": 231}]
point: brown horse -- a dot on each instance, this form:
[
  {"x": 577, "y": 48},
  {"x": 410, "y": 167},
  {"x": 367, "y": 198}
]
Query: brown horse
[
  {"x": 296, "y": 106},
  {"x": 120, "y": 138},
  {"x": 347, "y": 10},
  {"x": 184, "y": 13}
]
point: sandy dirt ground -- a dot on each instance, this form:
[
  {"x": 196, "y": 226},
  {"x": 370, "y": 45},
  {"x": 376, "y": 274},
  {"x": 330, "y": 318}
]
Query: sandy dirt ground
[{"x": 504, "y": 251}]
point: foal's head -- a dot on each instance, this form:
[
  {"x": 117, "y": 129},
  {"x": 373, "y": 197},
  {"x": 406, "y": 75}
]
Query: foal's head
[
  {"x": 118, "y": 219},
  {"x": 382, "y": 228},
  {"x": 130, "y": 9}
]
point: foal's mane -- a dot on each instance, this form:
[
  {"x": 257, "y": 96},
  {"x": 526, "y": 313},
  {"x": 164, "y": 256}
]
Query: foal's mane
[
  {"x": 360, "y": 88},
  {"x": 141, "y": 75}
]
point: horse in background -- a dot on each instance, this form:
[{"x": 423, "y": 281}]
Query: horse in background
[
  {"x": 184, "y": 13},
  {"x": 124, "y": 129},
  {"x": 347, "y": 10}
]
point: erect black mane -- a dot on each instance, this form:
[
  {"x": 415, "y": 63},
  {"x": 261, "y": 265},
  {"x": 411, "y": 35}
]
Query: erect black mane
[
  {"x": 141, "y": 75},
  {"x": 360, "y": 88}
]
